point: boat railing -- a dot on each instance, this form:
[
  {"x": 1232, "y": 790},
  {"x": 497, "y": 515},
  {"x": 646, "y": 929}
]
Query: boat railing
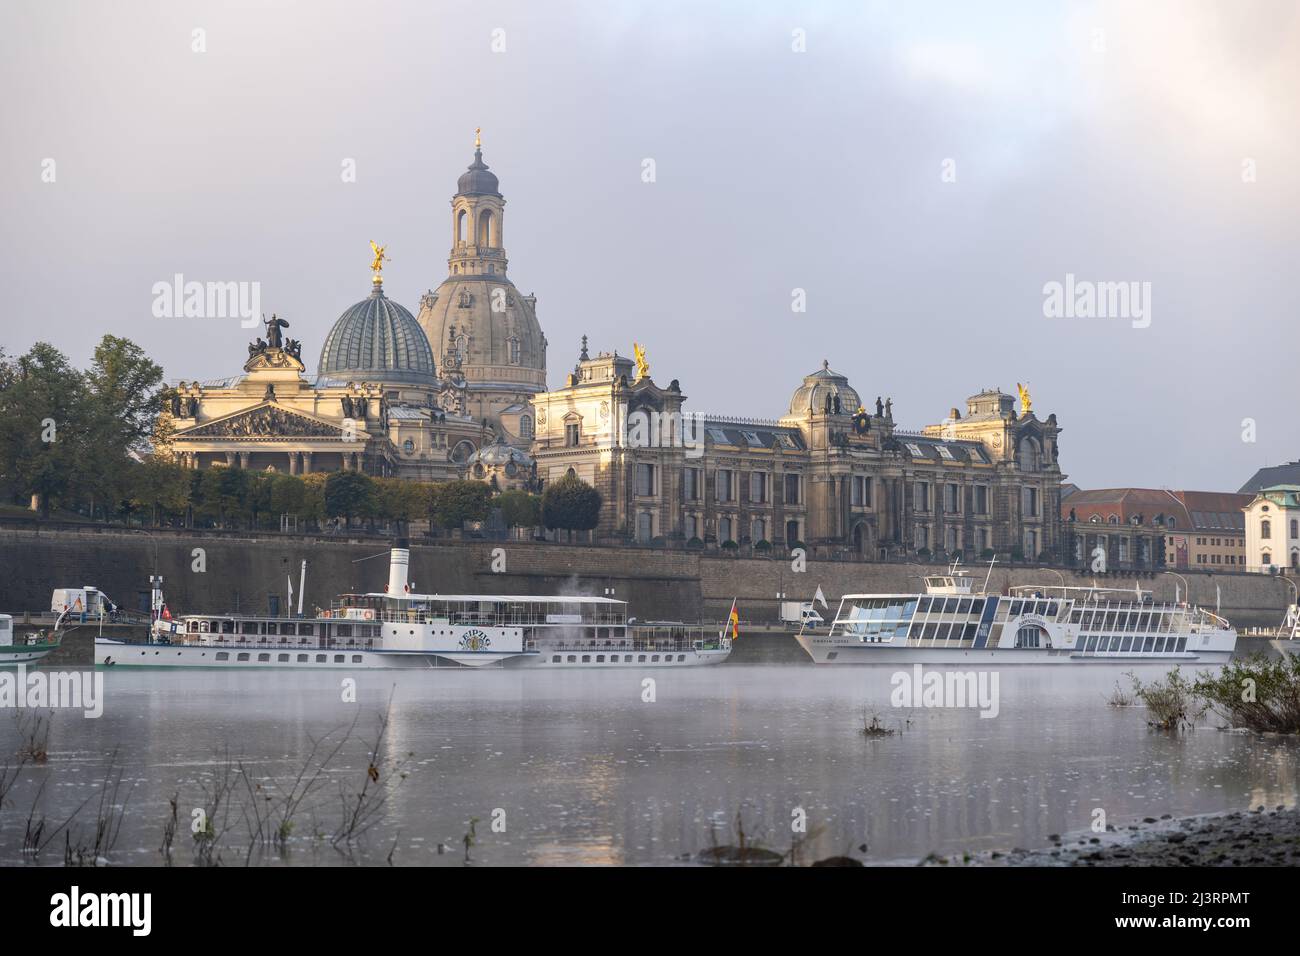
[{"x": 282, "y": 643}]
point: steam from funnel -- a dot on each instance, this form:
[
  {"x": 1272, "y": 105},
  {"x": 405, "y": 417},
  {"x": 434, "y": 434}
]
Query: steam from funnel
[{"x": 399, "y": 563}]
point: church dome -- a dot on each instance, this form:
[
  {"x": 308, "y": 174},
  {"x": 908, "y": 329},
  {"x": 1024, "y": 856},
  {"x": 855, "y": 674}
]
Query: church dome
[
  {"x": 478, "y": 180},
  {"x": 822, "y": 384},
  {"x": 499, "y": 454},
  {"x": 490, "y": 343},
  {"x": 378, "y": 340}
]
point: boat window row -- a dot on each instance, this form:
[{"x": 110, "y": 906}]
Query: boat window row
[
  {"x": 1134, "y": 644},
  {"x": 245, "y": 629},
  {"x": 285, "y": 658},
  {"x": 614, "y": 658},
  {"x": 1107, "y": 619}
]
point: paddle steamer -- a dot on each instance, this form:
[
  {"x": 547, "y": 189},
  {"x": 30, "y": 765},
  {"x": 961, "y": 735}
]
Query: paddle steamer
[{"x": 398, "y": 628}]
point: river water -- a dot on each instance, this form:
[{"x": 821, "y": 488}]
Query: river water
[{"x": 578, "y": 767}]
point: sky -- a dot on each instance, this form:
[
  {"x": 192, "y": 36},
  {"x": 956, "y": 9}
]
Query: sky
[{"x": 921, "y": 171}]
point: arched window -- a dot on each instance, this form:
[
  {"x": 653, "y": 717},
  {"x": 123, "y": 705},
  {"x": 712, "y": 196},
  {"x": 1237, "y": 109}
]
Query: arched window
[
  {"x": 514, "y": 350},
  {"x": 462, "y": 226},
  {"x": 1113, "y": 519},
  {"x": 1027, "y": 453},
  {"x": 758, "y": 531},
  {"x": 1265, "y": 530},
  {"x": 1295, "y": 528},
  {"x": 485, "y": 229},
  {"x": 526, "y": 426},
  {"x": 724, "y": 529}
]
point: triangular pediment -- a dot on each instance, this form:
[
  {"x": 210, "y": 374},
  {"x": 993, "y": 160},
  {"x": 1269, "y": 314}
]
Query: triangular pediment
[{"x": 268, "y": 420}]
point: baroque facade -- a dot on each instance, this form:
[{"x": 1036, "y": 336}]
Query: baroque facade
[
  {"x": 460, "y": 392},
  {"x": 378, "y": 402},
  {"x": 830, "y": 474}
]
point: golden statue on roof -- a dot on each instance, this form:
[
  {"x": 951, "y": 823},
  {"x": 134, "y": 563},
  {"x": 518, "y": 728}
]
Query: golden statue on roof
[
  {"x": 478, "y": 140},
  {"x": 1026, "y": 403},
  {"x": 642, "y": 366},
  {"x": 377, "y": 266}
]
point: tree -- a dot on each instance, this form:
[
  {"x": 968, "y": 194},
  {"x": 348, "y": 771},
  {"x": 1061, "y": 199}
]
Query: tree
[
  {"x": 123, "y": 398},
  {"x": 288, "y": 495},
  {"x": 313, "y": 496},
  {"x": 160, "y": 487},
  {"x": 455, "y": 502},
  {"x": 519, "y": 509},
  {"x": 125, "y": 387},
  {"x": 348, "y": 493},
  {"x": 571, "y": 504},
  {"x": 42, "y": 426}
]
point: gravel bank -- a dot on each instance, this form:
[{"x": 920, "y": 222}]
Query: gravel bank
[{"x": 1254, "y": 838}]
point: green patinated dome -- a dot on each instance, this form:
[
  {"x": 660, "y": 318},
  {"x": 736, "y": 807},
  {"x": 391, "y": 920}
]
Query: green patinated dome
[{"x": 377, "y": 340}]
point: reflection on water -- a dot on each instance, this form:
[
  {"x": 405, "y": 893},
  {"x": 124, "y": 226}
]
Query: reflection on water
[{"x": 586, "y": 772}]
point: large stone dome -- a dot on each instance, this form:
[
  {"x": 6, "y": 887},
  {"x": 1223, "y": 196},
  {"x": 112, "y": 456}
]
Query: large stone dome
[
  {"x": 378, "y": 340},
  {"x": 822, "y": 384},
  {"x": 486, "y": 331}
]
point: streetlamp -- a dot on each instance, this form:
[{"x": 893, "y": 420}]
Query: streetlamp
[
  {"x": 1187, "y": 587},
  {"x": 1057, "y": 573}
]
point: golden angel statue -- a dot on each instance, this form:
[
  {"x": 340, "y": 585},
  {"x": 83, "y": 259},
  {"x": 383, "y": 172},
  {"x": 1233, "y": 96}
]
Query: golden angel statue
[
  {"x": 377, "y": 266},
  {"x": 642, "y": 366},
  {"x": 1026, "y": 403}
]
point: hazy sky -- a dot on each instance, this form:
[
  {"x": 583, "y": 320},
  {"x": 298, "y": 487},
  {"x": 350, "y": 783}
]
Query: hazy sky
[{"x": 1110, "y": 141}]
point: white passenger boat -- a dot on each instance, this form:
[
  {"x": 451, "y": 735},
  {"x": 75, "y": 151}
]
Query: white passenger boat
[
  {"x": 952, "y": 623},
  {"x": 398, "y": 628}
]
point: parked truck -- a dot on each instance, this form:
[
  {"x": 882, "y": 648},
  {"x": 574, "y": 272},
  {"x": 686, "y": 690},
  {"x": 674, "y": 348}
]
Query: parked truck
[{"x": 800, "y": 614}]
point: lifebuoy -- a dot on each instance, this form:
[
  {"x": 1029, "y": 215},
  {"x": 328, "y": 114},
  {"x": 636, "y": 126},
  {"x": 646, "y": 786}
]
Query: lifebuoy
[
  {"x": 326, "y": 613},
  {"x": 368, "y": 615}
]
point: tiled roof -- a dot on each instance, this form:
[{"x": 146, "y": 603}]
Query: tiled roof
[
  {"x": 1192, "y": 510},
  {"x": 747, "y": 435},
  {"x": 922, "y": 447},
  {"x": 1272, "y": 476}
]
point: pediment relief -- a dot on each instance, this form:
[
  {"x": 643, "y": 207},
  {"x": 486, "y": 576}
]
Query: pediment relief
[{"x": 267, "y": 421}]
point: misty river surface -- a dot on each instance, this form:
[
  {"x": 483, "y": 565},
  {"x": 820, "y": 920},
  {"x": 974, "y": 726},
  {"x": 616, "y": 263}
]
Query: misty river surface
[{"x": 581, "y": 770}]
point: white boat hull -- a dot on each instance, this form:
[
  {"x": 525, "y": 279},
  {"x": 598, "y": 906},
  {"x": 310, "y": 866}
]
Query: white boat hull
[
  {"x": 566, "y": 658},
  {"x": 110, "y": 653},
  {"x": 828, "y": 653}
]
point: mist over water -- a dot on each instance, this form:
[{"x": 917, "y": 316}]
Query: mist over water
[{"x": 586, "y": 772}]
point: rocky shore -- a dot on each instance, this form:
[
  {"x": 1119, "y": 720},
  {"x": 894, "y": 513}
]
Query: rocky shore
[{"x": 1258, "y": 837}]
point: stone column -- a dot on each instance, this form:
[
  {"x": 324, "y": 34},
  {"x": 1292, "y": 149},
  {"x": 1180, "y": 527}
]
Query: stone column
[
  {"x": 243, "y": 459},
  {"x": 293, "y": 463},
  {"x": 230, "y": 459},
  {"x": 306, "y": 463}
]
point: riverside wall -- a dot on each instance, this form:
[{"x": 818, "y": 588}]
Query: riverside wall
[{"x": 224, "y": 572}]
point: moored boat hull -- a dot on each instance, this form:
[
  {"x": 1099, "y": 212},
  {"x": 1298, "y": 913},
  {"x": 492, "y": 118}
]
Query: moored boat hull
[
  {"x": 110, "y": 653},
  {"x": 13, "y": 655},
  {"x": 830, "y": 653},
  {"x": 571, "y": 658}
]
